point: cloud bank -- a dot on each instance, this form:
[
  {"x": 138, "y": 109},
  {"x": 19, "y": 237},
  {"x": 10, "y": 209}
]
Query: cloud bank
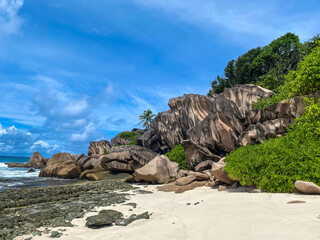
[{"x": 10, "y": 21}]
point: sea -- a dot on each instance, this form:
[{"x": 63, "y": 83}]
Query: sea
[{"x": 16, "y": 178}]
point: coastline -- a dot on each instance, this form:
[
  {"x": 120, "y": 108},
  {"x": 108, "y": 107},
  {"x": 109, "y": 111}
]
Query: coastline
[{"x": 205, "y": 213}]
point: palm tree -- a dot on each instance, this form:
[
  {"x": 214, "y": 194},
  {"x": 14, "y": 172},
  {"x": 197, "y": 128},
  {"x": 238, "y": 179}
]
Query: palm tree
[{"x": 146, "y": 118}]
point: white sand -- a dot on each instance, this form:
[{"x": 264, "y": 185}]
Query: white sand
[{"x": 219, "y": 216}]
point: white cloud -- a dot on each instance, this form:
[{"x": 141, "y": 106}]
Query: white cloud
[
  {"x": 55, "y": 147},
  {"x": 2, "y": 131},
  {"x": 29, "y": 134},
  {"x": 41, "y": 144},
  {"x": 78, "y": 137},
  {"x": 75, "y": 108},
  {"x": 12, "y": 129},
  {"x": 10, "y": 21},
  {"x": 9, "y": 131}
]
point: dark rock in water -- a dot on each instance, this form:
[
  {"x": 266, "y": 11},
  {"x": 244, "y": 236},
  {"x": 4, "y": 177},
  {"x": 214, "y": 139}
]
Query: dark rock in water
[
  {"x": 133, "y": 217},
  {"x": 55, "y": 234},
  {"x": 18, "y": 165},
  {"x": 104, "y": 218},
  {"x": 99, "y": 147},
  {"x": 61, "y": 165},
  {"x": 127, "y": 158},
  {"x": 31, "y": 170},
  {"x": 35, "y": 161}
]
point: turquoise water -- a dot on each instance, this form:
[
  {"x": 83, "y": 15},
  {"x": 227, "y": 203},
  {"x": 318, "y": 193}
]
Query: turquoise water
[{"x": 15, "y": 178}]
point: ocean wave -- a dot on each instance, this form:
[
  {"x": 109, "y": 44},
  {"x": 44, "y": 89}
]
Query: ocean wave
[
  {"x": 2, "y": 165},
  {"x": 6, "y": 172}
]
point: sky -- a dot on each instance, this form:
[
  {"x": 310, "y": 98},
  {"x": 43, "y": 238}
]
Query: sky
[{"x": 75, "y": 71}]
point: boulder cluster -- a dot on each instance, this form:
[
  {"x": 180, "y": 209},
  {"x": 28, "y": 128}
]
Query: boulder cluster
[{"x": 207, "y": 127}]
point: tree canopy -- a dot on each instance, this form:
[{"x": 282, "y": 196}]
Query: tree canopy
[{"x": 265, "y": 66}]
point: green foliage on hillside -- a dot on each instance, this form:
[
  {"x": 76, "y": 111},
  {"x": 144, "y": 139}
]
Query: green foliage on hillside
[
  {"x": 305, "y": 80},
  {"x": 277, "y": 163},
  {"x": 130, "y": 135},
  {"x": 105, "y": 152},
  {"x": 177, "y": 155},
  {"x": 265, "y": 66}
]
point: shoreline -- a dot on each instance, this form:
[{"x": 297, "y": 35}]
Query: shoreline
[
  {"x": 204, "y": 212},
  {"x": 23, "y": 211}
]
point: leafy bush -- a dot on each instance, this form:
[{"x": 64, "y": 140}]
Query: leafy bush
[
  {"x": 177, "y": 155},
  {"x": 277, "y": 163},
  {"x": 105, "y": 152},
  {"x": 130, "y": 135}
]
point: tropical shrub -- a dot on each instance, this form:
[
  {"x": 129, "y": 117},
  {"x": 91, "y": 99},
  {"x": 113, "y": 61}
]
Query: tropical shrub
[
  {"x": 277, "y": 163},
  {"x": 177, "y": 155}
]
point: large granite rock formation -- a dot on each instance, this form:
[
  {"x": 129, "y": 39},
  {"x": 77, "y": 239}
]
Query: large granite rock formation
[
  {"x": 61, "y": 165},
  {"x": 99, "y": 147},
  {"x": 170, "y": 128},
  {"x": 127, "y": 158},
  {"x": 208, "y": 128}
]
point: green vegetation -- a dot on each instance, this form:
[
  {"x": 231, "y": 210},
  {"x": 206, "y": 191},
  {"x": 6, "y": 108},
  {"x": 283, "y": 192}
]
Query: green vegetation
[
  {"x": 177, "y": 155},
  {"x": 277, "y": 163},
  {"x": 105, "y": 152},
  {"x": 290, "y": 69},
  {"x": 130, "y": 135},
  {"x": 146, "y": 118},
  {"x": 265, "y": 66},
  {"x": 305, "y": 80}
]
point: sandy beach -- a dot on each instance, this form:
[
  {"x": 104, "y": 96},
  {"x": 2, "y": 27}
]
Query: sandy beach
[{"x": 205, "y": 213}]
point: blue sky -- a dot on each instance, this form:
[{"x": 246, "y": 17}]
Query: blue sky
[{"x": 75, "y": 71}]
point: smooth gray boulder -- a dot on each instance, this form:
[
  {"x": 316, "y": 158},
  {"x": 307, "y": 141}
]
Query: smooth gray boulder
[
  {"x": 307, "y": 187},
  {"x": 61, "y": 165},
  {"x": 159, "y": 170},
  {"x": 127, "y": 158}
]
